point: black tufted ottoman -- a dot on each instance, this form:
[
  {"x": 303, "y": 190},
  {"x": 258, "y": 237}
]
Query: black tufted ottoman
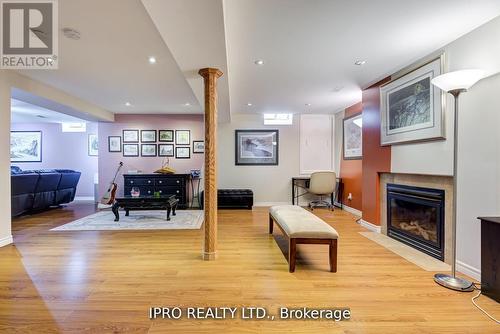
[{"x": 232, "y": 199}]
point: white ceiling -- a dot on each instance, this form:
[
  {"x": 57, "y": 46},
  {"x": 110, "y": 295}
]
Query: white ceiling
[
  {"x": 23, "y": 112},
  {"x": 309, "y": 49}
]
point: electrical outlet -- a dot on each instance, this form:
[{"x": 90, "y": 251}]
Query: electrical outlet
[{"x": 349, "y": 197}]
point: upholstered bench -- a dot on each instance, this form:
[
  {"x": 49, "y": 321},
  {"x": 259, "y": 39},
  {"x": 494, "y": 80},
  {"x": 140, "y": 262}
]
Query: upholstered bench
[{"x": 303, "y": 227}]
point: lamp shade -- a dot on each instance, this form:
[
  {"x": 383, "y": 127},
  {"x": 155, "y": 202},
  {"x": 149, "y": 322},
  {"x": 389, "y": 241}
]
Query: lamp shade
[{"x": 458, "y": 80}]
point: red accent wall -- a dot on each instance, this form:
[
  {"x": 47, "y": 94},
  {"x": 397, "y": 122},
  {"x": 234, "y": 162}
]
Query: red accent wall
[
  {"x": 376, "y": 158},
  {"x": 351, "y": 171}
]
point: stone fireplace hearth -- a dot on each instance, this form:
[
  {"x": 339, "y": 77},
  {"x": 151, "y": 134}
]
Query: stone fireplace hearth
[{"x": 419, "y": 218}]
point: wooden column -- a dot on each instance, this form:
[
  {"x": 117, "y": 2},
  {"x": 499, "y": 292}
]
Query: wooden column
[{"x": 210, "y": 76}]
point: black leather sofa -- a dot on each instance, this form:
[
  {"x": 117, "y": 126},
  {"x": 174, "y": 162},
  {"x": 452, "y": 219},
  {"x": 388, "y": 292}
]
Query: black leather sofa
[{"x": 39, "y": 189}]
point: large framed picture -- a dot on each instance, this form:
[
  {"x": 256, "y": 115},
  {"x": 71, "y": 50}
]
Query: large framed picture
[
  {"x": 93, "y": 145},
  {"x": 130, "y": 150},
  {"x": 182, "y": 137},
  {"x": 148, "y": 150},
  {"x": 130, "y": 136},
  {"x": 256, "y": 147},
  {"x": 166, "y": 150},
  {"x": 411, "y": 108},
  {"x": 26, "y": 146},
  {"x": 166, "y": 135},
  {"x": 182, "y": 152},
  {"x": 353, "y": 137},
  {"x": 198, "y": 146},
  {"x": 148, "y": 136},
  {"x": 114, "y": 144}
]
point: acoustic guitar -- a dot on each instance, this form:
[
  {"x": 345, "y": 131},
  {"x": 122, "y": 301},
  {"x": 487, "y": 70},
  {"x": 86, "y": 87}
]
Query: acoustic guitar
[{"x": 109, "y": 197}]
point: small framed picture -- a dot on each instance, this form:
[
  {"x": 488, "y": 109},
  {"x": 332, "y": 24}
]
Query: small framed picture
[
  {"x": 130, "y": 136},
  {"x": 182, "y": 152},
  {"x": 198, "y": 146},
  {"x": 166, "y": 135},
  {"x": 148, "y": 136},
  {"x": 114, "y": 144},
  {"x": 148, "y": 150},
  {"x": 165, "y": 150},
  {"x": 130, "y": 150},
  {"x": 93, "y": 145},
  {"x": 26, "y": 146},
  {"x": 182, "y": 137}
]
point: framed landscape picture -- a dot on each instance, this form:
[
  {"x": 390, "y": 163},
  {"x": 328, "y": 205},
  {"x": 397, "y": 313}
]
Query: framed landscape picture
[
  {"x": 148, "y": 150},
  {"x": 166, "y": 135},
  {"x": 182, "y": 152},
  {"x": 148, "y": 136},
  {"x": 198, "y": 146},
  {"x": 114, "y": 144},
  {"x": 182, "y": 137},
  {"x": 256, "y": 147},
  {"x": 26, "y": 146},
  {"x": 93, "y": 145},
  {"x": 353, "y": 137},
  {"x": 411, "y": 108},
  {"x": 130, "y": 150},
  {"x": 130, "y": 136},
  {"x": 166, "y": 150}
]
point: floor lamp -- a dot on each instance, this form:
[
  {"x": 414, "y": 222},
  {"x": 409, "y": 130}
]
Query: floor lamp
[{"x": 456, "y": 83}]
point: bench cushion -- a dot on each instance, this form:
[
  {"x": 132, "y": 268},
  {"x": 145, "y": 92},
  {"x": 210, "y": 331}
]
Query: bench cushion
[{"x": 300, "y": 223}]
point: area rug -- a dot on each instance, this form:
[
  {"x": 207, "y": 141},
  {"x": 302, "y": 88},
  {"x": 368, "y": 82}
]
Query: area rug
[
  {"x": 416, "y": 257},
  {"x": 138, "y": 220}
]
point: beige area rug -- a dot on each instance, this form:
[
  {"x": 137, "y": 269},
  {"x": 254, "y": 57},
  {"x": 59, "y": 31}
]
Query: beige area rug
[
  {"x": 138, "y": 220},
  {"x": 416, "y": 257}
]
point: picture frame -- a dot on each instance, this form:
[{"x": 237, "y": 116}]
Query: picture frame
[
  {"x": 148, "y": 136},
  {"x": 182, "y": 137},
  {"x": 182, "y": 152},
  {"x": 26, "y": 146},
  {"x": 130, "y": 136},
  {"x": 256, "y": 147},
  {"x": 165, "y": 150},
  {"x": 353, "y": 137},
  {"x": 148, "y": 150},
  {"x": 198, "y": 146},
  {"x": 165, "y": 135},
  {"x": 93, "y": 145},
  {"x": 411, "y": 108},
  {"x": 114, "y": 144},
  {"x": 130, "y": 150}
]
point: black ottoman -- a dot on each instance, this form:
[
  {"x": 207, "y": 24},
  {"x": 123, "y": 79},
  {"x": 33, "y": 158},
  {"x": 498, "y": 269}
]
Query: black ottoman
[{"x": 232, "y": 199}]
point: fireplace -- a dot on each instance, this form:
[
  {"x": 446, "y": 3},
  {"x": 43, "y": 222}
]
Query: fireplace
[{"x": 415, "y": 216}]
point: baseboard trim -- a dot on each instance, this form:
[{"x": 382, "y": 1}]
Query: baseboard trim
[
  {"x": 354, "y": 211},
  {"x": 270, "y": 203},
  {"x": 6, "y": 241},
  {"x": 469, "y": 270},
  {"x": 370, "y": 226},
  {"x": 84, "y": 198}
]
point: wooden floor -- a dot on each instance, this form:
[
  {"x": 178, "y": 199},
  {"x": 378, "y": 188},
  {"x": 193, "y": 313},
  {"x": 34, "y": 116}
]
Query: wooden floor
[{"x": 105, "y": 282}]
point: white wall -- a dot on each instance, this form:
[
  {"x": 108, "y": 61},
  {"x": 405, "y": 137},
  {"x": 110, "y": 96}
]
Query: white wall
[
  {"x": 316, "y": 149},
  {"x": 270, "y": 184}
]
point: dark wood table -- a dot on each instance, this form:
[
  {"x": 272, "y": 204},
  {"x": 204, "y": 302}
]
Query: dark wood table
[
  {"x": 490, "y": 257},
  {"x": 129, "y": 203}
]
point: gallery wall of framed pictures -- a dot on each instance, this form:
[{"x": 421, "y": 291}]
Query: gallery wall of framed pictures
[{"x": 155, "y": 143}]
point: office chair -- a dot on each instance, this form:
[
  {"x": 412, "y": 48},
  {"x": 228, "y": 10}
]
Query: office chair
[{"x": 322, "y": 184}]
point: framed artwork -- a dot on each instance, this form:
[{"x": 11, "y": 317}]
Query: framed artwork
[
  {"x": 411, "y": 108},
  {"x": 182, "y": 152},
  {"x": 148, "y": 136},
  {"x": 166, "y": 135},
  {"x": 198, "y": 146},
  {"x": 148, "y": 150},
  {"x": 130, "y": 136},
  {"x": 130, "y": 150},
  {"x": 93, "y": 145},
  {"x": 165, "y": 150},
  {"x": 26, "y": 146},
  {"x": 353, "y": 137},
  {"x": 256, "y": 147},
  {"x": 182, "y": 137},
  {"x": 114, "y": 144}
]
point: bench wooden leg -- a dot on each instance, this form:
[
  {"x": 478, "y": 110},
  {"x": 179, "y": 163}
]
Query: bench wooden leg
[
  {"x": 292, "y": 249},
  {"x": 271, "y": 223},
  {"x": 333, "y": 255}
]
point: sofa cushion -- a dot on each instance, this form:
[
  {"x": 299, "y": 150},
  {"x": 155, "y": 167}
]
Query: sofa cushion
[
  {"x": 15, "y": 170},
  {"x": 300, "y": 223}
]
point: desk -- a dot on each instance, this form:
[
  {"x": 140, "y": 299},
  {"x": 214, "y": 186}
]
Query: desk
[{"x": 305, "y": 179}]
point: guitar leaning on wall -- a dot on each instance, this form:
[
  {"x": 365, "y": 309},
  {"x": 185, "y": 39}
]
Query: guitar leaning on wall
[{"x": 109, "y": 197}]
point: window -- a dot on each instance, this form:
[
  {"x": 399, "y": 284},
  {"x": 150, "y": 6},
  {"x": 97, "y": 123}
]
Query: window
[
  {"x": 278, "y": 119},
  {"x": 74, "y": 127}
]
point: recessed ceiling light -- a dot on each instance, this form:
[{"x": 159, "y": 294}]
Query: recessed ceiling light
[
  {"x": 360, "y": 62},
  {"x": 152, "y": 60},
  {"x": 259, "y": 62},
  {"x": 249, "y": 104},
  {"x": 308, "y": 104},
  {"x": 187, "y": 104},
  {"x": 338, "y": 88},
  {"x": 127, "y": 104},
  {"x": 71, "y": 33}
]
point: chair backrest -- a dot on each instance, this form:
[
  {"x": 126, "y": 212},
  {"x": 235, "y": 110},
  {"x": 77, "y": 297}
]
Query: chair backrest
[{"x": 323, "y": 183}]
